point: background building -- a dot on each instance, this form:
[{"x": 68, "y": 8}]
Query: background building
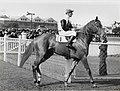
[{"x": 24, "y": 22}]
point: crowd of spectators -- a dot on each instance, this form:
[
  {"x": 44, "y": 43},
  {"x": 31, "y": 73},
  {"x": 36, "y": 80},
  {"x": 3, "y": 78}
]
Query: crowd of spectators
[{"x": 30, "y": 34}]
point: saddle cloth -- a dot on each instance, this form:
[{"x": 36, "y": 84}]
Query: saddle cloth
[{"x": 63, "y": 34}]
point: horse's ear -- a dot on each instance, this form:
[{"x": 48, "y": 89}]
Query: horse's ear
[{"x": 96, "y": 18}]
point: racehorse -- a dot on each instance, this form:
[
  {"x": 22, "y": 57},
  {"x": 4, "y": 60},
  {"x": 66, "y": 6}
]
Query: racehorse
[{"x": 46, "y": 45}]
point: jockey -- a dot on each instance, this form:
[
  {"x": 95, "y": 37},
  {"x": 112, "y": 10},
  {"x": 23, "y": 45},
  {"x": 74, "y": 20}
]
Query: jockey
[{"x": 68, "y": 28}]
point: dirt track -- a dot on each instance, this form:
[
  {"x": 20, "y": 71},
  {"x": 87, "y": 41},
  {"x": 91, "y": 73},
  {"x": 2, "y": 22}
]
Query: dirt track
[{"x": 15, "y": 78}]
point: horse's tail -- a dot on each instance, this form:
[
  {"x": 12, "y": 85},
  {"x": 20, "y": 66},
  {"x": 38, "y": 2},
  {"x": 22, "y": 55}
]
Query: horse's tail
[{"x": 26, "y": 54}]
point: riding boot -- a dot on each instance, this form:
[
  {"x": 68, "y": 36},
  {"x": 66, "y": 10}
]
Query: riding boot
[{"x": 69, "y": 45}]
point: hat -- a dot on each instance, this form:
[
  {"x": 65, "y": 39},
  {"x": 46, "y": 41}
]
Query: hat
[{"x": 69, "y": 11}]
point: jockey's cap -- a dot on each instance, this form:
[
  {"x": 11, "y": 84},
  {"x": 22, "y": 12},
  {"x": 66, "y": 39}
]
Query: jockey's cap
[{"x": 69, "y": 11}]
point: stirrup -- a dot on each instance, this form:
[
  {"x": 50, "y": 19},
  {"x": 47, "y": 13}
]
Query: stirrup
[{"x": 69, "y": 45}]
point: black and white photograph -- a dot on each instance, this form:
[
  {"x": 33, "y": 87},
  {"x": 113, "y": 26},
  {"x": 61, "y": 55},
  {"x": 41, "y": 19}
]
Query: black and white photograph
[{"x": 59, "y": 45}]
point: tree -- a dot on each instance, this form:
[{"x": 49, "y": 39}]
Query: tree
[{"x": 116, "y": 30}]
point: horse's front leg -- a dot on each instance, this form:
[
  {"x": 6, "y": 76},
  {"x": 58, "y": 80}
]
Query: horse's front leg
[
  {"x": 85, "y": 63},
  {"x": 75, "y": 64}
]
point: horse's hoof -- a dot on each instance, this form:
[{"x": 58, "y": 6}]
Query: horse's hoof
[
  {"x": 66, "y": 84},
  {"x": 35, "y": 81},
  {"x": 94, "y": 86},
  {"x": 37, "y": 84}
]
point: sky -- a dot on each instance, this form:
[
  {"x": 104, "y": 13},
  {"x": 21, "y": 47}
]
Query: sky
[{"x": 107, "y": 11}]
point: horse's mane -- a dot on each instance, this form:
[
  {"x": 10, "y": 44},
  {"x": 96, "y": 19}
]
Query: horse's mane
[
  {"x": 88, "y": 25},
  {"x": 84, "y": 29},
  {"x": 87, "y": 28}
]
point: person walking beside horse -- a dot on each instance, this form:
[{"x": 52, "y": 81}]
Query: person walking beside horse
[{"x": 103, "y": 56}]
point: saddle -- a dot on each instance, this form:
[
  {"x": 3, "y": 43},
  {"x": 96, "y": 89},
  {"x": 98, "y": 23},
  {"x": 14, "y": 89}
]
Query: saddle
[{"x": 62, "y": 39}]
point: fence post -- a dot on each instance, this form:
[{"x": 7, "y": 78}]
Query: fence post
[
  {"x": 5, "y": 45},
  {"x": 19, "y": 51}
]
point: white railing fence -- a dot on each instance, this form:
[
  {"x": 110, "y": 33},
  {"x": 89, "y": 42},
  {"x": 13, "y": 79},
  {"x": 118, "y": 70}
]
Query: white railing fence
[
  {"x": 113, "y": 48},
  {"x": 13, "y": 45}
]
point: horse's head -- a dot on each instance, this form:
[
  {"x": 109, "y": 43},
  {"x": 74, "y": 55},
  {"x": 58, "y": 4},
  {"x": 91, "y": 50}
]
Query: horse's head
[{"x": 94, "y": 27}]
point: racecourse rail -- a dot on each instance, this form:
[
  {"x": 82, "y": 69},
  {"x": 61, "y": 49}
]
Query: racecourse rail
[{"x": 18, "y": 45}]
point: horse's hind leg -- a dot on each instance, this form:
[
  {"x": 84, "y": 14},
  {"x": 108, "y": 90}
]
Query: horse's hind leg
[
  {"x": 35, "y": 68},
  {"x": 34, "y": 74},
  {"x": 37, "y": 75},
  {"x": 85, "y": 63}
]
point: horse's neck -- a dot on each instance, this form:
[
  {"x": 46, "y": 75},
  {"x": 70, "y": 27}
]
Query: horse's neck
[
  {"x": 89, "y": 39},
  {"x": 85, "y": 37}
]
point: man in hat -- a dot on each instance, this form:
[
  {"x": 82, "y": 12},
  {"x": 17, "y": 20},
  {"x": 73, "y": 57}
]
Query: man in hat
[
  {"x": 68, "y": 27},
  {"x": 103, "y": 56}
]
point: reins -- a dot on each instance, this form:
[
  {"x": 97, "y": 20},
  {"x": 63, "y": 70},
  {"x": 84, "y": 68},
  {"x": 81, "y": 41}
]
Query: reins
[{"x": 85, "y": 33}]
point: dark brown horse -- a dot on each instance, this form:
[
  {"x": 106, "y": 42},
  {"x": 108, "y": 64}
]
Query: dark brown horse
[{"x": 46, "y": 45}]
